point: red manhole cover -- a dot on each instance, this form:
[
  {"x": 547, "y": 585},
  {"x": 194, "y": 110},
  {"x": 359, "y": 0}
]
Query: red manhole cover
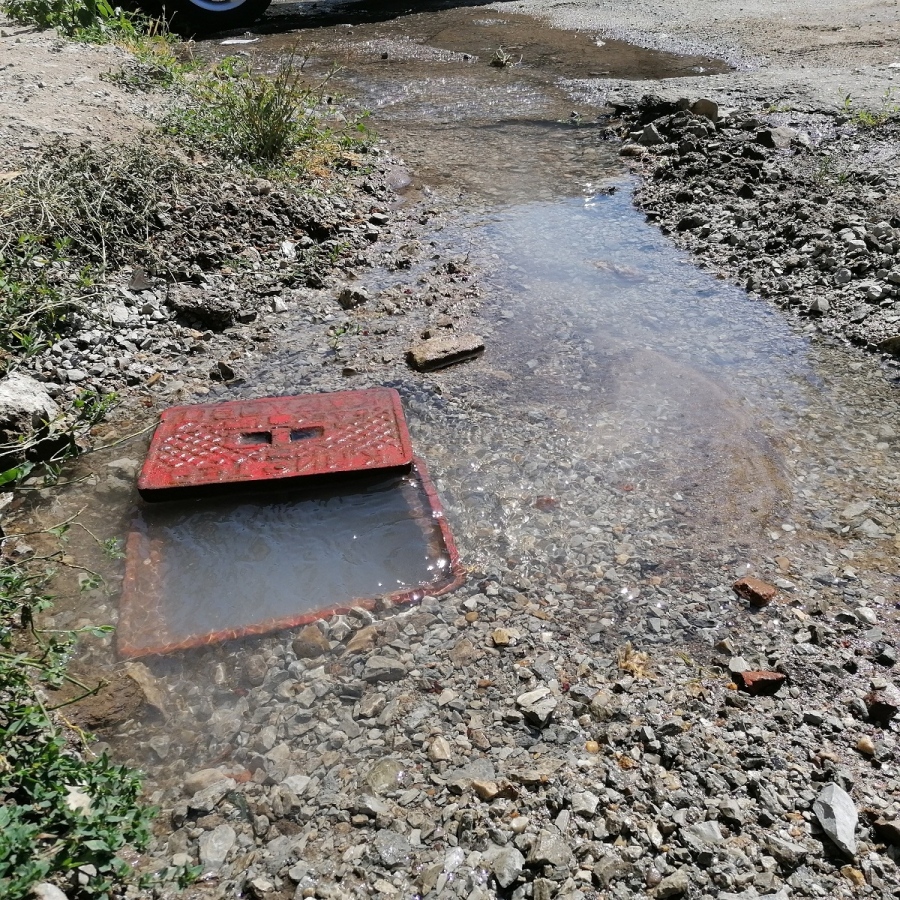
[{"x": 275, "y": 438}]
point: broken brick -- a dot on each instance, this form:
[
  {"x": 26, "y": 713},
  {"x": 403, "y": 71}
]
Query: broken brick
[
  {"x": 755, "y": 591},
  {"x": 760, "y": 683}
]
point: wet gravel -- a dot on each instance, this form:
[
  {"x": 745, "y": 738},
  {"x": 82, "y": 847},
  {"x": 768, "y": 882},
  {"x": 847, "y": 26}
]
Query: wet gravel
[
  {"x": 501, "y": 743},
  {"x": 584, "y": 717},
  {"x": 798, "y": 209}
]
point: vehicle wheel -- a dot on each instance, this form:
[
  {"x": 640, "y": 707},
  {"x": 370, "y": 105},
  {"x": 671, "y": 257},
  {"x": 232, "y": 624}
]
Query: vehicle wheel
[{"x": 202, "y": 16}]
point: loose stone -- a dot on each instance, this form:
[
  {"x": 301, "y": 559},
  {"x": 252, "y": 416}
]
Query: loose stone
[
  {"x": 537, "y": 705},
  {"x": 440, "y": 352},
  {"x": 837, "y": 815},
  {"x": 215, "y": 846}
]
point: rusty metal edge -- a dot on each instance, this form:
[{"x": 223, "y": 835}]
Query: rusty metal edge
[{"x": 456, "y": 577}]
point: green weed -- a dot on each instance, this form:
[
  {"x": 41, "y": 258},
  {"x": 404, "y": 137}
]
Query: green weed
[
  {"x": 113, "y": 548},
  {"x": 64, "y": 816},
  {"x": 872, "y": 118},
  {"x": 337, "y": 333},
  {"x": 35, "y": 304},
  {"x": 263, "y": 122},
  {"x": 97, "y": 21}
]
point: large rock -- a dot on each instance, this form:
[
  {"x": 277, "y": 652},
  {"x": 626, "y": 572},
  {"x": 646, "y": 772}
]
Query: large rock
[
  {"x": 391, "y": 848},
  {"x": 215, "y": 846},
  {"x": 537, "y": 705},
  {"x": 310, "y": 643},
  {"x": 650, "y": 137},
  {"x": 461, "y": 779},
  {"x": 707, "y": 108},
  {"x": 507, "y": 865},
  {"x": 383, "y": 668},
  {"x": 26, "y": 411},
  {"x": 776, "y": 138},
  {"x": 837, "y": 815},
  {"x": 883, "y": 705},
  {"x": 674, "y": 885},
  {"x": 440, "y": 352},
  {"x": 386, "y": 775},
  {"x": 701, "y": 836},
  {"x": 202, "y": 310},
  {"x": 551, "y": 849},
  {"x": 202, "y": 779},
  {"x": 890, "y": 345},
  {"x": 46, "y": 891}
]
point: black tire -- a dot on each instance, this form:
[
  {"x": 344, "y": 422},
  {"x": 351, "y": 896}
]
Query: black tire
[{"x": 198, "y": 17}]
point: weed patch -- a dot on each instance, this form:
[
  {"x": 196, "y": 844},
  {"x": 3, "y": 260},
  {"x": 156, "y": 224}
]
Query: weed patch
[
  {"x": 98, "y": 205},
  {"x": 64, "y": 816},
  {"x": 63, "y": 222},
  {"x": 97, "y": 21},
  {"x": 263, "y": 122},
  {"x": 864, "y": 117}
]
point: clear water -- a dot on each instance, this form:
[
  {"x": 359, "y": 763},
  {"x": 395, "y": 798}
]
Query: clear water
[{"x": 206, "y": 567}]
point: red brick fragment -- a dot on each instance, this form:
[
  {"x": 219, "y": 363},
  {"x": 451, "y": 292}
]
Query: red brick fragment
[
  {"x": 757, "y": 592},
  {"x": 761, "y": 683}
]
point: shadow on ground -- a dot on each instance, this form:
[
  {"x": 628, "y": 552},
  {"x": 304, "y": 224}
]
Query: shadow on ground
[{"x": 350, "y": 12}]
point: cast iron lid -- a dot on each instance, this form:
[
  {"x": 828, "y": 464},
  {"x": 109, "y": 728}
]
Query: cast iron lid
[{"x": 275, "y": 438}]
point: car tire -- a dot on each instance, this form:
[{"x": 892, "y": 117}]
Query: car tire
[{"x": 197, "y": 17}]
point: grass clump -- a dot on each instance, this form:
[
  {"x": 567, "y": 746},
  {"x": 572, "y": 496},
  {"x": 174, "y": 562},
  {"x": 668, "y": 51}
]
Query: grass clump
[
  {"x": 65, "y": 817},
  {"x": 99, "y": 204},
  {"x": 863, "y": 117},
  {"x": 36, "y": 296},
  {"x": 64, "y": 221},
  {"x": 262, "y": 122}
]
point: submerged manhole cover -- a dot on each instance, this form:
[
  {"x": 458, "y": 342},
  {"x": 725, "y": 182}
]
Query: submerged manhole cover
[{"x": 203, "y": 569}]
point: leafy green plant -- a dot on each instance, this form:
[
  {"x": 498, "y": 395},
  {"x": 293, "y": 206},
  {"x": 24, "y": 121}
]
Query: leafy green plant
[
  {"x": 64, "y": 815},
  {"x": 92, "y": 407},
  {"x": 34, "y": 304},
  {"x": 94, "y": 20},
  {"x": 262, "y": 121},
  {"x": 113, "y": 548},
  {"x": 181, "y": 876},
  {"x": 337, "y": 333}
]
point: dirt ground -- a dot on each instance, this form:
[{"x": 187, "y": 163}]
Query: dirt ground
[
  {"x": 52, "y": 87},
  {"x": 819, "y": 52}
]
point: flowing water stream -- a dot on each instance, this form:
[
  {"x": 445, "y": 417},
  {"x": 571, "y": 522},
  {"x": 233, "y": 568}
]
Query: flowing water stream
[{"x": 635, "y": 423}]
